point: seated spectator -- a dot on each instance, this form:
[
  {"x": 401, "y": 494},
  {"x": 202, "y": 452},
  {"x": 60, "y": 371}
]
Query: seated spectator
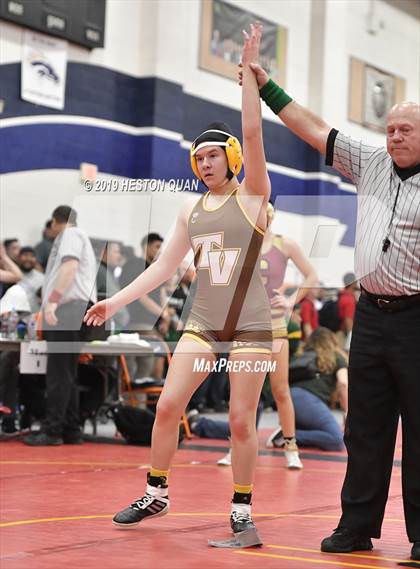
[
  {"x": 107, "y": 284},
  {"x": 9, "y": 271},
  {"x": 32, "y": 278},
  {"x": 316, "y": 426},
  {"x": 206, "y": 428},
  {"x": 43, "y": 248}
]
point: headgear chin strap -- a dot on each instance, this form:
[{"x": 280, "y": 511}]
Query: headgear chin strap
[{"x": 214, "y": 137}]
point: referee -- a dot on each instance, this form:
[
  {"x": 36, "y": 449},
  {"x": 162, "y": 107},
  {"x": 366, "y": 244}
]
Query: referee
[{"x": 384, "y": 376}]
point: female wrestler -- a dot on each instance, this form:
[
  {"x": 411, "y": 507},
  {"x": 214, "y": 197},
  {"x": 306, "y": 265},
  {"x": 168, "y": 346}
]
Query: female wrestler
[
  {"x": 276, "y": 252},
  {"x": 225, "y": 228}
]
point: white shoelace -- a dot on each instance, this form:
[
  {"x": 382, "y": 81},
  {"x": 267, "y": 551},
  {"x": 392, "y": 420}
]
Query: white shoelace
[
  {"x": 143, "y": 502},
  {"x": 241, "y": 513},
  {"x": 241, "y": 517}
]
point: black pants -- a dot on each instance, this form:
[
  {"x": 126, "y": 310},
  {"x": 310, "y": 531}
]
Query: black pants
[
  {"x": 61, "y": 379},
  {"x": 384, "y": 382},
  {"x": 9, "y": 379}
]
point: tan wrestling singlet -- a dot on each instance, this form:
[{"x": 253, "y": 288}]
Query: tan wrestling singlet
[{"x": 230, "y": 303}]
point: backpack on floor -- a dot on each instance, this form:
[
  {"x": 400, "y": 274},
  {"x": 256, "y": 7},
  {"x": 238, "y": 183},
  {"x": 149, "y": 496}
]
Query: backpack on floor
[
  {"x": 134, "y": 424},
  {"x": 303, "y": 367}
]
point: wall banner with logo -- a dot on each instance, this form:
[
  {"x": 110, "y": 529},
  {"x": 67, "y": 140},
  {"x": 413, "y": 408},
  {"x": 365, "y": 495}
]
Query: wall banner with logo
[{"x": 43, "y": 73}]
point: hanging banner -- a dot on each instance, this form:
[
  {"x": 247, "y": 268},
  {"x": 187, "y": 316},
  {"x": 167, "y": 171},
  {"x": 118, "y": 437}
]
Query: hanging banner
[{"x": 43, "y": 71}]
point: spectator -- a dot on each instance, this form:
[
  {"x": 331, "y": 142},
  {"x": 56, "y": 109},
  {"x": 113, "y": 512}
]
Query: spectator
[
  {"x": 9, "y": 380},
  {"x": 320, "y": 297},
  {"x": 294, "y": 330},
  {"x": 276, "y": 252},
  {"x": 347, "y": 300},
  {"x": 10, "y": 250},
  {"x": 12, "y": 247},
  {"x": 309, "y": 313},
  {"x": 68, "y": 289},
  {"x": 328, "y": 313},
  {"x": 127, "y": 253},
  {"x": 43, "y": 248},
  {"x": 106, "y": 282},
  {"x": 179, "y": 301},
  {"x": 316, "y": 426},
  {"x": 207, "y": 428},
  {"x": 147, "y": 312},
  {"x": 9, "y": 271},
  {"x": 17, "y": 299},
  {"x": 144, "y": 313},
  {"x": 32, "y": 278}
]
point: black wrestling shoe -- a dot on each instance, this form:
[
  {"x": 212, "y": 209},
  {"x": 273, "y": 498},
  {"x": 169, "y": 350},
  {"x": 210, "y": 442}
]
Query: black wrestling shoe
[
  {"x": 42, "y": 439},
  {"x": 344, "y": 540},
  {"x": 151, "y": 505},
  {"x": 241, "y": 521},
  {"x": 146, "y": 507},
  {"x": 415, "y": 551}
]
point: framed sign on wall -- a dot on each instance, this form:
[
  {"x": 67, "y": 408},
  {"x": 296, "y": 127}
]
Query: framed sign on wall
[
  {"x": 372, "y": 94},
  {"x": 222, "y": 40}
]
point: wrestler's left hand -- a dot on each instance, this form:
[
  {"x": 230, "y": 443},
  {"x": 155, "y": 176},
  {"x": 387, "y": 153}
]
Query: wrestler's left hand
[
  {"x": 280, "y": 301},
  {"x": 99, "y": 312},
  {"x": 251, "y": 47}
]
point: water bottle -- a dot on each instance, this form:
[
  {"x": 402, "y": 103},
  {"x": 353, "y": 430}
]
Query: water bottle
[
  {"x": 12, "y": 323},
  {"x": 4, "y": 326},
  {"x": 21, "y": 330},
  {"x": 32, "y": 327}
]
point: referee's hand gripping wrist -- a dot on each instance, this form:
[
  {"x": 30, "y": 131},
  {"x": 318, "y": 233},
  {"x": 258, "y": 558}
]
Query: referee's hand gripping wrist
[{"x": 260, "y": 75}]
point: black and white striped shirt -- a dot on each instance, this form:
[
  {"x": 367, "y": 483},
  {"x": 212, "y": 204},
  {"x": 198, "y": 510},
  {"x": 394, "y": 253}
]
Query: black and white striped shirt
[{"x": 395, "y": 271}]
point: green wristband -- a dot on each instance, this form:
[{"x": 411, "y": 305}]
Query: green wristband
[{"x": 274, "y": 96}]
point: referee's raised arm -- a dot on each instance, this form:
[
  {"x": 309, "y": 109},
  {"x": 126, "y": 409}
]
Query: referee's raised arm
[{"x": 301, "y": 121}]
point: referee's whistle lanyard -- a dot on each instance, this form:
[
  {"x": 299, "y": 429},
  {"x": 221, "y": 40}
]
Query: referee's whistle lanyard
[{"x": 386, "y": 242}]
